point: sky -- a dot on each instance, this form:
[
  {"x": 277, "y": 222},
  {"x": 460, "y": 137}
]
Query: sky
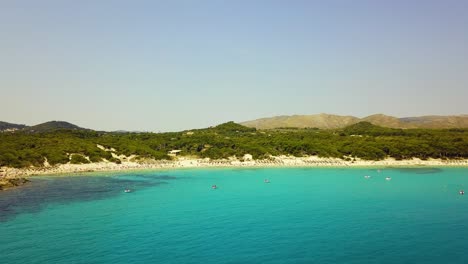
[{"x": 175, "y": 65}]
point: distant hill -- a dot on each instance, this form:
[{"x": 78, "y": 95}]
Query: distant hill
[
  {"x": 323, "y": 121},
  {"x": 383, "y": 120},
  {"x": 4, "y": 126},
  {"x": 460, "y": 121},
  {"x": 52, "y": 126},
  {"x": 327, "y": 121},
  {"x": 44, "y": 127},
  {"x": 232, "y": 127}
]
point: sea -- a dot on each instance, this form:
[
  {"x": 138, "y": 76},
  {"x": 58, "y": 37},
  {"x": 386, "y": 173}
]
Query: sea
[{"x": 261, "y": 215}]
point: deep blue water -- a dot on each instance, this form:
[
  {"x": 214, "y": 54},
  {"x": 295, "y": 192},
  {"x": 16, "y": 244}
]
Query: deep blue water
[{"x": 301, "y": 216}]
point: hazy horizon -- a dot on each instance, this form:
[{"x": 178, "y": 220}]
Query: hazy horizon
[
  {"x": 136, "y": 130},
  {"x": 175, "y": 65}
]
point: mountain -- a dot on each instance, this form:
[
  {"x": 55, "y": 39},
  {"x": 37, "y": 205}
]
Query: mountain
[
  {"x": 460, "y": 121},
  {"x": 383, "y": 120},
  {"x": 4, "y": 126},
  {"x": 232, "y": 127},
  {"x": 323, "y": 121},
  {"x": 52, "y": 126},
  {"x": 327, "y": 121}
]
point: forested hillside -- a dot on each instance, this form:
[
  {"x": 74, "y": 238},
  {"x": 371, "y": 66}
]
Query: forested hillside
[{"x": 363, "y": 140}]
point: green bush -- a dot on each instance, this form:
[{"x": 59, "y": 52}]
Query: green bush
[{"x": 78, "y": 159}]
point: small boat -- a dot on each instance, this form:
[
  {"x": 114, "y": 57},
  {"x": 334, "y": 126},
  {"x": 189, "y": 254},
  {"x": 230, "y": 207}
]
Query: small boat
[
  {"x": 367, "y": 176},
  {"x": 127, "y": 190},
  {"x": 214, "y": 186},
  {"x": 388, "y": 178},
  {"x": 266, "y": 181},
  {"x": 461, "y": 192}
]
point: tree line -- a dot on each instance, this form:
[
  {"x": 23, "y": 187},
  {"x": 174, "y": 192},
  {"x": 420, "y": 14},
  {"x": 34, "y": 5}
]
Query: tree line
[{"x": 362, "y": 140}]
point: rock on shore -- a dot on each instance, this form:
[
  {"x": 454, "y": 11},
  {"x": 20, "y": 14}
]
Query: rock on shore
[{"x": 6, "y": 183}]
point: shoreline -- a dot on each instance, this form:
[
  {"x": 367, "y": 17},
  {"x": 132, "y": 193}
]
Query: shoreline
[{"x": 187, "y": 163}]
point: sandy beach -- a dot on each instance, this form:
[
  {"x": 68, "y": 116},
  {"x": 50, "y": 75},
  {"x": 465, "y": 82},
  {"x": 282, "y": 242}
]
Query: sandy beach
[{"x": 182, "y": 162}]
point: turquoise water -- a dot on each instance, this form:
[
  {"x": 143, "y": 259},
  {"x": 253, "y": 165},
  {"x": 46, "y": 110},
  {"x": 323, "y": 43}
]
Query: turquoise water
[{"x": 301, "y": 216}]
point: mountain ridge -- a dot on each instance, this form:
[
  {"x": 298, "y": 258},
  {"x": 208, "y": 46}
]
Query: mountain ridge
[
  {"x": 52, "y": 126},
  {"x": 329, "y": 121},
  {"x": 5, "y": 126},
  {"x": 39, "y": 128},
  {"x": 321, "y": 121}
]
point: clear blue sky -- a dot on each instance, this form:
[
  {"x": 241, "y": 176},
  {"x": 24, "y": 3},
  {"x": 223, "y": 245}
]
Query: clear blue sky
[{"x": 173, "y": 65}]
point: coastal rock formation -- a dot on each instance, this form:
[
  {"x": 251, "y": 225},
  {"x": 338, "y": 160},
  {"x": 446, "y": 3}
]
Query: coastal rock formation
[{"x": 6, "y": 183}]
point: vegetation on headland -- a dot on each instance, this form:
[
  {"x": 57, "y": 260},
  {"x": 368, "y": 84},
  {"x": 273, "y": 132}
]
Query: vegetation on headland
[{"x": 362, "y": 140}]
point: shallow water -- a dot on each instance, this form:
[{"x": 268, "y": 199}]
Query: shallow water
[{"x": 304, "y": 215}]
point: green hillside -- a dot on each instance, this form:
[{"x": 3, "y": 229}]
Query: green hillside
[
  {"x": 52, "y": 126},
  {"x": 6, "y": 125},
  {"x": 363, "y": 140}
]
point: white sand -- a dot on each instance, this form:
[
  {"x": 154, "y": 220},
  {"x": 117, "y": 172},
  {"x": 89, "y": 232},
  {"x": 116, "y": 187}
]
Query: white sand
[{"x": 182, "y": 162}]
